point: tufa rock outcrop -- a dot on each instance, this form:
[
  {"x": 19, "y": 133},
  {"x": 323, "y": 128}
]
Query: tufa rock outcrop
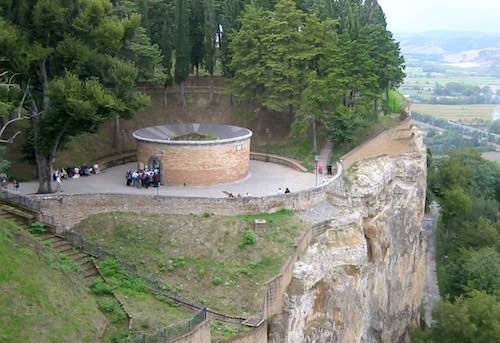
[{"x": 362, "y": 279}]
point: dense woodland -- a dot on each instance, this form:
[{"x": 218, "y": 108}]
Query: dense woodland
[
  {"x": 68, "y": 66},
  {"x": 456, "y": 93},
  {"x": 467, "y": 188}
]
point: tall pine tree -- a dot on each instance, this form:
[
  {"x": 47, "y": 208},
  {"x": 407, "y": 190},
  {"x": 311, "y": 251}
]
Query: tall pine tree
[
  {"x": 182, "y": 46},
  {"x": 197, "y": 33},
  {"x": 210, "y": 34}
]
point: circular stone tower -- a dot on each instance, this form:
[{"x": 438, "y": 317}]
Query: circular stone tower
[{"x": 195, "y": 154}]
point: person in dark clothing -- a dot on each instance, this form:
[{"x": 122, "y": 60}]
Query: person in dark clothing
[{"x": 287, "y": 191}]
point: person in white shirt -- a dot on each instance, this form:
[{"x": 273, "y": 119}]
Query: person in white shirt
[{"x": 58, "y": 184}]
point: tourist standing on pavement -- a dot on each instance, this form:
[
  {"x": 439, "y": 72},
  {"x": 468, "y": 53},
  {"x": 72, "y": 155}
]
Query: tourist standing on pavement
[{"x": 58, "y": 183}]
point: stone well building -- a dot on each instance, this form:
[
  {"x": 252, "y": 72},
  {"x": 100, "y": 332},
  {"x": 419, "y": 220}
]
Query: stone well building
[{"x": 195, "y": 154}]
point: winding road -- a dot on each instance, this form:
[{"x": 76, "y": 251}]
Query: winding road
[{"x": 431, "y": 289}]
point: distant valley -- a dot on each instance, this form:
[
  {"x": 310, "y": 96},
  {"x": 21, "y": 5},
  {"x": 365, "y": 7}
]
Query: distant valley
[{"x": 472, "y": 50}]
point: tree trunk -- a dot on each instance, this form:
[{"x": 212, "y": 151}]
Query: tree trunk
[
  {"x": 314, "y": 136},
  {"x": 183, "y": 97},
  {"x": 165, "y": 97},
  {"x": 211, "y": 91},
  {"x": 44, "y": 169},
  {"x": 43, "y": 162},
  {"x": 116, "y": 134}
]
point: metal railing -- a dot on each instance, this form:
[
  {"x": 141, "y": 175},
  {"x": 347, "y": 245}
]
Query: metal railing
[{"x": 172, "y": 331}]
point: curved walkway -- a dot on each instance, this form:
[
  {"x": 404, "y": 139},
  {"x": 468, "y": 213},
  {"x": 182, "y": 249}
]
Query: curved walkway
[{"x": 264, "y": 179}]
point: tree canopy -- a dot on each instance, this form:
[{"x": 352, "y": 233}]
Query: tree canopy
[
  {"x": 326, "y": 61},
  {"x": 329, "y": 63},
  {"x": 80, "y": 62},
  {"x": 468, "y": 249}
]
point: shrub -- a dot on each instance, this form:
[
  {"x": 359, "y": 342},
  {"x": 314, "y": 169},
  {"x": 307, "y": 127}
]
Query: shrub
[
  {"x": 119, "y": 277},
  {"x": 37, "y": 227},
  {"x": 217, "y": 281},
  {"x": 223, "y": 330},
  {"x": 99, "y": 287},
  {"x": 111, "y": 307},
  {"x": 248, "y": 239}
]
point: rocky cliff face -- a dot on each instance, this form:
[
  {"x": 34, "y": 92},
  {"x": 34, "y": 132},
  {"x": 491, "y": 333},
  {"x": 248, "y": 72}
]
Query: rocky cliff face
[{"x": 362, "y": 279}]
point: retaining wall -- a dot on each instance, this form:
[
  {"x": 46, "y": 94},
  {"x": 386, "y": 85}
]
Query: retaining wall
[
  {"x": 287, "y": 162},
  {"x": 200, "y": 334},
  {"x": 276, "y": 287},
  {"x": 69, "y": 210}
]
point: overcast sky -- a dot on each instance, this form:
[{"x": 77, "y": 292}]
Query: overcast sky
[{"x": 430, "y": 15}]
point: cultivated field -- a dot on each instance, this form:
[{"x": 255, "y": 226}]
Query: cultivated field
[
  {"x": 457, "y": 112},
  {"x": 491, "y": 156}
]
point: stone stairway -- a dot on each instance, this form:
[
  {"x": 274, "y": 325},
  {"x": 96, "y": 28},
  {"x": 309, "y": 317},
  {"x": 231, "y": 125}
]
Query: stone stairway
[{"x": 88, "y": 270}]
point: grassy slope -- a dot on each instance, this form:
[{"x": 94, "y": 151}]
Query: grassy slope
[
  {"x": 37, "y": 303},
  {"x": 200, "y": 256},
  {"x": 150, "y": 312},
  {"x": 395, "y": 101}
]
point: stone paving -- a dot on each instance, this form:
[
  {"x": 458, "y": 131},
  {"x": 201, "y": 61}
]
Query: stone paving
[{"x": 264, "y": 179}]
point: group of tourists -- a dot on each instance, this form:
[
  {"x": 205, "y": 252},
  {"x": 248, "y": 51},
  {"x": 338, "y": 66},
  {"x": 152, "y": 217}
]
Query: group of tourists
[
  {"x": 73, "y": 173},
  {"x": 143, "y": 178},
  {"x": 4, "y": 182}
]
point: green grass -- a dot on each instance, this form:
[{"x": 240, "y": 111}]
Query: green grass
[
  {"x": 201, "y": 256},
  {"x": 39, "y": 303},
  {"x": 395, "y": 101},
  {"x": 150, "y": 312}
]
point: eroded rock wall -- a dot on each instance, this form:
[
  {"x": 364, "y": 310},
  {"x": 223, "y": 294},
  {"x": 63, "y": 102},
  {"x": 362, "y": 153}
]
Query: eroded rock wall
[{"x": 362, "y": 279}]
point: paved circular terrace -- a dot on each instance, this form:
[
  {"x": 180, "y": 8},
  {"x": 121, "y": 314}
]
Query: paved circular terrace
[
  {"x": 174, "y": 133},
  {"x": 264, "y": 179}
]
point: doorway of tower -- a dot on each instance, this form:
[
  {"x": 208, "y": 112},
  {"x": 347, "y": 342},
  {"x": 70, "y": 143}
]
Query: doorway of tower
[{"x": 156, "y": 165}]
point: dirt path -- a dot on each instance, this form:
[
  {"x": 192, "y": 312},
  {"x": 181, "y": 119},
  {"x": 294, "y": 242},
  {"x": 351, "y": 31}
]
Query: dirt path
[
  {"x": 392, "y": 142},
  {"x": 431, "y": 289}
]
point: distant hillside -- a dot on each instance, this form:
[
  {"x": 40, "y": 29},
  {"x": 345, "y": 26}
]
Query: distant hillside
[{"x": 457, "y": 49}]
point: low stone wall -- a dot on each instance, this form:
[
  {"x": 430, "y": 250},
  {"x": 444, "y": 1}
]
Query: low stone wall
[
  {"x": 287, "y": 162},
  {"x": 69, "y": 210},
  {"x": 200, "y": 334},
  {"x": 116, "y": 160}
]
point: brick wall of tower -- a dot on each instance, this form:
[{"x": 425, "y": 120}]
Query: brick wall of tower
[{"x": 199, "y": 165}]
